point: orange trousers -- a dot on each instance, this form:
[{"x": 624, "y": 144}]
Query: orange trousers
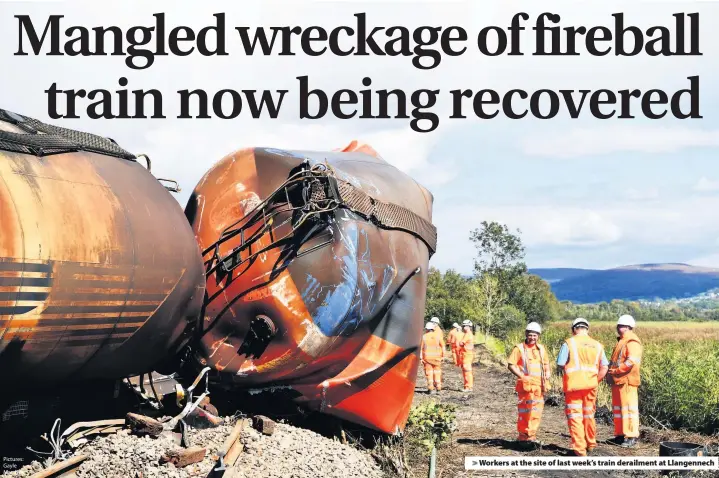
[
  {"x": 529, "y": 413},
  {"x": 433, "y": 373},
  {"x": 625, "y": 402},
  {"x": 465, "y": 360},
  {"x": 455, "y": 356},
  {"x": 580, "y": 407}
]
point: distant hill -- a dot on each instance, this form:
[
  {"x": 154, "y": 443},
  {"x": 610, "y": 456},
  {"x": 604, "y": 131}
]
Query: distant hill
[
  {"x": 633, "y": 282},
  {"x": 558, "y": 274}
]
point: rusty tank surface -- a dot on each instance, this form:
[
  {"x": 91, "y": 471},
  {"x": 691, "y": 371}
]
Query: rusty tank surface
[
  {"x": 100, "y": 274},
  {"x": 316, "y": 266}
]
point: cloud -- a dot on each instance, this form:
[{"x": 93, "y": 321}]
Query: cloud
[
  {"x": 706, "y": 185},
  {"x": 642, "y": 195},
  {"x": 580, "y": 142},
  {"x": 710, "y": 260},
  {"x": 589, "y": 235}
]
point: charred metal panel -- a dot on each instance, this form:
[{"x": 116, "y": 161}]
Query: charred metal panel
[{"x": 313, "y": 295}]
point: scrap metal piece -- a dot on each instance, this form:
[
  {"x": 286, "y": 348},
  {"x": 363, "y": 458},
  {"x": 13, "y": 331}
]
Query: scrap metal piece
[
  {"x": 190, "y": 405},
  {"x": 78, "y": 433},
  {"x": 331, "y": 249},
  {"x": 64, "y": 468},
  {"x": 230, "y": 451}
]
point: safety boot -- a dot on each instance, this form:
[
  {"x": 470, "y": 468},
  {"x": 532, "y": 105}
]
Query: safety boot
[{"x": 629, "y": 443}]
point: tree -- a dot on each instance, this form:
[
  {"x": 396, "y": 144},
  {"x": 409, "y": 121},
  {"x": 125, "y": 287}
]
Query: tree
[
  {"x": 533, "y": 296},
  {"x": 447, "y": 296},
  {"x": 499, "y": 252},
  {"x": 487, "y": 296}
]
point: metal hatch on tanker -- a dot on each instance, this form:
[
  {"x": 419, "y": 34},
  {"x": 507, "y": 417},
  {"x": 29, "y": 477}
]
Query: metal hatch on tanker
[
  {"x": 100, "y": 275},
  {"x": 316, "y": 266}
]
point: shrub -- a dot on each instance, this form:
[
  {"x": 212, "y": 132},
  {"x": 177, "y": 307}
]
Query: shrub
[{"x": 430, "y": 424}]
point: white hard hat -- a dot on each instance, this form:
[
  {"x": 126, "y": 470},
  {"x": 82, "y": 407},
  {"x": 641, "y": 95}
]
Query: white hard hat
[
  {"x": 455, "y": 324},
  {"x": 430, "y": 326},
  {"x": 467, "y": 322},
  {"x": 580, "y": 320},
  {"x": 533, "y": 327},
  {"x": 435, "y": 320},
  {"x": 627, "y": 320}
]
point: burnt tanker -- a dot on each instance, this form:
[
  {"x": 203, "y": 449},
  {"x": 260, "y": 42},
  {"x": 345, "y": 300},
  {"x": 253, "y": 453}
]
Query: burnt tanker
[
  {"x": 100, "y": 274},
  {"x": 316, "y": 267}
]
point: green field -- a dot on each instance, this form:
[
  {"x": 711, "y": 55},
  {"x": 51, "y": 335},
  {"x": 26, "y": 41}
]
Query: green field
[{"x": 680, "y": 369}]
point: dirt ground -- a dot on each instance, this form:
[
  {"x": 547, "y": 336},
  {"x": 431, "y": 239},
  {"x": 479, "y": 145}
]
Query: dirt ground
[{"x": 486, "y": 426}]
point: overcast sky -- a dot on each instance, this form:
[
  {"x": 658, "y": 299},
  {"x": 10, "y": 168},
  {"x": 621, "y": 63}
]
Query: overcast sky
[{"x": 584, "y": 193}]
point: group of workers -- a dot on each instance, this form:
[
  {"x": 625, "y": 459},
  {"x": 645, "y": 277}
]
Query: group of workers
[
  {"x": 432, "y": 352},
  {"x": 582, "y": 362}
]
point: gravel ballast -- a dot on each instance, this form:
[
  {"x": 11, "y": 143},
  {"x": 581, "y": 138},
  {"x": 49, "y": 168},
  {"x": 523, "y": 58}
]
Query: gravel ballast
[{"x": 289, "y": 452}]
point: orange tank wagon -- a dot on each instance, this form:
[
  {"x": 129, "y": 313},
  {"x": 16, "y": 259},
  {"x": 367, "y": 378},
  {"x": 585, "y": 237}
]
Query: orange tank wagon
[{"x": 316, "y": 267}]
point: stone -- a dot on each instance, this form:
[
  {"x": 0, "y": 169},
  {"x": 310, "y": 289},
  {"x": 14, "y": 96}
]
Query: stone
[
  {"x": 181, "y": 457},
  {"x": 263, "y": 424}
]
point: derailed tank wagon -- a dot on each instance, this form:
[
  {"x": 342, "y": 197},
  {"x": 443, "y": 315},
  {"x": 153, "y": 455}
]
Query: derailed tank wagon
[
  {"x": 316, "y": 277},
  {"x": 299, "y": 271},
  {"x": 100, "y": 275}
]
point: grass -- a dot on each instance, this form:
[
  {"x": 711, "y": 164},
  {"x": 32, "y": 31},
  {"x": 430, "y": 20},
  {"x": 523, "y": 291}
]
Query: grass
[
  {"x": 680, "y": 370},
  {"x": 496, "y": 346}
]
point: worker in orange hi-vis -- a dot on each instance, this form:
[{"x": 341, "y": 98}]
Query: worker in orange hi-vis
[
  {"x": 452, "y": 337},
  {"x": 465, "y": 349},
  {"x": 437, "y": 326},
  {"x": 584, "y": 364},
  {"x": 529, "y": 362},
  {"x": 623, "y": 376},
  {"x": 431, "y": 354}
]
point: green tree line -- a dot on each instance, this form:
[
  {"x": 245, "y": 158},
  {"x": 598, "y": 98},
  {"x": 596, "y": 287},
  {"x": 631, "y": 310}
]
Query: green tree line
[{"x": 501, "y": 295}]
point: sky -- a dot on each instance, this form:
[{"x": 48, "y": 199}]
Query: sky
[{"x": 582, "y": 192}]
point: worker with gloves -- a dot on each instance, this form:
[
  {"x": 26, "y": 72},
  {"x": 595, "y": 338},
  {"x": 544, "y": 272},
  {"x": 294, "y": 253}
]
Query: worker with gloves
[
  {"x": 529, "y": 362},
  {"x": 431, "y": 353},
  {"x": 623, "y": 377},
  {"x": 584, "y": 364},
  {"x": 452, "y": 342},
  {"x": 465, "y": 349}
]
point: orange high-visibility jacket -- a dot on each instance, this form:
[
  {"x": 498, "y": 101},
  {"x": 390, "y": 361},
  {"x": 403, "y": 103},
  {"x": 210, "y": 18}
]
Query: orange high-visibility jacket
[
  {"x": 582, "y": 368},
  {"x": 432, "y": 350},
  {"x": 626, "y": 360},
  {"x": 452, "y": 337},
  {"x": 465, "y": 342},
  {"x": 532, "y": 364}
]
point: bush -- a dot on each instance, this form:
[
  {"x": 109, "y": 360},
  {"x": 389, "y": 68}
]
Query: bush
[{"x": 430, "y": 424}]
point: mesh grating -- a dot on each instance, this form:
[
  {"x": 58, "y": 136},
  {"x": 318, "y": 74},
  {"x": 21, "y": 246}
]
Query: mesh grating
[{"x": 43, "y": 139}]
